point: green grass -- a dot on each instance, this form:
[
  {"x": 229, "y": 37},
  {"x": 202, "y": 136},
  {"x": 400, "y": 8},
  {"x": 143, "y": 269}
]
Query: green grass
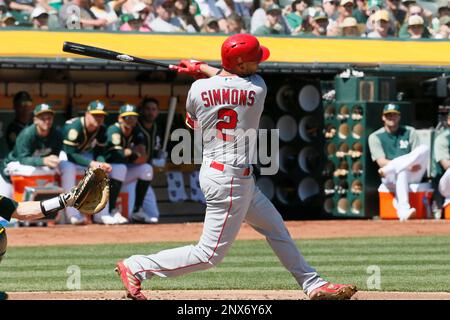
[{"x": 406, "y": 264}]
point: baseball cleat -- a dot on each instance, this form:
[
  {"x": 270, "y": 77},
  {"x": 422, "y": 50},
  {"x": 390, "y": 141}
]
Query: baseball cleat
[
  {"x": 141, "y": 217},
  {"x": 330, "y": 291},
  {"x": 406, "y": 214},
  {"x": 130, "y": 282},
  {"x": 118, "y": 217},
  {"x": 77, "y": 220}
]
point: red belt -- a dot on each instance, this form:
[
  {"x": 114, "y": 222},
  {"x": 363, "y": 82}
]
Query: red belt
[{"x": 221, "y": 167}]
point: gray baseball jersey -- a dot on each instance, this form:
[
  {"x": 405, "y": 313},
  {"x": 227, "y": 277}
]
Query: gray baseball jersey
[
  {"x": 226, "y": 109},
  {"x": 221, "y": 104}
]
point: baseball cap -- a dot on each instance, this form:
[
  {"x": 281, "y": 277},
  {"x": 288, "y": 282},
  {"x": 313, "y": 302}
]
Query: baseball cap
[
  {"x": 42, "y": 108},
  {"x": 415, "y": 21},
  {"x": 38, "y": 11},
  {"x": 274, "y": 8},
  {"x": 391, "y": 108},
  {"x": 344, "y": 2},
  {"x": 320, "y": 15},
  {"x": 96, "y": 107},
  {"x": 381, "y": 15},
  {"x": 349, "y": 22},
  {"x": 128, "y": 110}
]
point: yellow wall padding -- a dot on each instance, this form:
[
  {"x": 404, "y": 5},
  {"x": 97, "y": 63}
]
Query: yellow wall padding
[{"x": 283, "y": 49}]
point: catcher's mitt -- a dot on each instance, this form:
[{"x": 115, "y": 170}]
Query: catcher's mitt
[{"x": 92, "y": 192}]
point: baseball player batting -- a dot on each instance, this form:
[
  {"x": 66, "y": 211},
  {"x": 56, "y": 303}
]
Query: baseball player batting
[{"x": 226, "y": 178}]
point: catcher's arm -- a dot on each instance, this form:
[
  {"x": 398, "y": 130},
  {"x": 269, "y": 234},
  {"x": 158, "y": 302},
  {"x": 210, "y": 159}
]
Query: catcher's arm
[{"x": 89, "y": 196}]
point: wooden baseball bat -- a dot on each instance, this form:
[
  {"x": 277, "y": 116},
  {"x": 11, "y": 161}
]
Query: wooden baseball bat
[
  {"x": 170, "y": 115},
  {"x": 96, "y": 52}
]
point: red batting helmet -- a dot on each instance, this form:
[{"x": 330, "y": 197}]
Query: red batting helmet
[{"x": 240, "y": 48}]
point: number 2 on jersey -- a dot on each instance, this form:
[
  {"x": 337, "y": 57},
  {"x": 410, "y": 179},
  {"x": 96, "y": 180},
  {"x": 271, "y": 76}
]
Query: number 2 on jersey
[{"x": 223, "y": 124}]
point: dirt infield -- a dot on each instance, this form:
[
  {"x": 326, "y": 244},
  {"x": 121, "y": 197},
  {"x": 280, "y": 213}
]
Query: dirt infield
[
  {"x": 220, "y": 295},
  {"x": 99, "y": 234},
  {"x": 96, "y": 234}
]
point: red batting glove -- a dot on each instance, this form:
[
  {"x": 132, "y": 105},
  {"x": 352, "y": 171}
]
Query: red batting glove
[{"x": 190, "y": 67}]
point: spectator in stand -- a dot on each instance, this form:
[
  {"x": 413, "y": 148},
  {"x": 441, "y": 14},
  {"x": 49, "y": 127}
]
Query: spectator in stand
[
  {"x": 360, "y": 12},
  {"x": 397, "y": 14},
  {"x": 229, "y": 7},
  {"x": 129, "y": 6},
  {"x": 349, "y": 28},
  {"x": 414, "y": 10},
  {"x": 259, "y": 17},
  {"x": 415, "y": 27},
  {"x": 107, "y": 11},
  {"x": 372, "y": 7},
  {"x": 443, "y": 11},
  {"x": 444, "y": 29},
  {"x": 295, "y": 17},
  {"x": 308, "y": 17},
  {"x": 319, "y": 24},
  {"x": 133, "y": 22},
  {"x": 345, "y": 10},
  {"x": 210, "y": 25},
  {"x": 330, "y": 8},
  {"x": 236, "y": 24},
  {"x": 182, "y": 12},
  {"x": 29, "y": 5},
  {"x": 39, "y": 17},
  {"x": 75, "y": 14},
  {"x": 272, "y": 25},
  {"x": 7, "y": 20},
  {"x": 165, "y": 21},
  {"x": 381, "y": 25},
  {"x": 209, "y": 9}
]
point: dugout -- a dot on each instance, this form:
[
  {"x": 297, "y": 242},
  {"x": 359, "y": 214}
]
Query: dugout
[{"x": 298, "y": 74}]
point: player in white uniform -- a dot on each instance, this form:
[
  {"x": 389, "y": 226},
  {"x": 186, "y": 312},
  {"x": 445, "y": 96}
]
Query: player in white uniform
[
  {"x": 442, "y": 157},
  {"x": 232, "y": 99}
]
